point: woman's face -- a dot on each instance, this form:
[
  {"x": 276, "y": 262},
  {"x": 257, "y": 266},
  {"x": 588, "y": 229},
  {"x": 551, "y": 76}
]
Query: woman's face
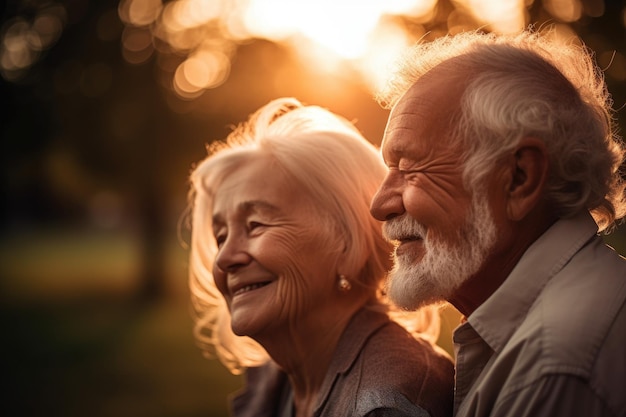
[{"x": 273, "y": 265}]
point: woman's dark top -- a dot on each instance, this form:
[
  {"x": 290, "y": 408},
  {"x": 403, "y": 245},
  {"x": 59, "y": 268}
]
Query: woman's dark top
[{"x": 378, "y": 370}]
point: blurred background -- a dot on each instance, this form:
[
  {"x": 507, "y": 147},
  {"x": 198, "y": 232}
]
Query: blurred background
[{"x": 107, "y": 105}]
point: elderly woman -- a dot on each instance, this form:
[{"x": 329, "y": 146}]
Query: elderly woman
[{"x": 287, "y": 268}]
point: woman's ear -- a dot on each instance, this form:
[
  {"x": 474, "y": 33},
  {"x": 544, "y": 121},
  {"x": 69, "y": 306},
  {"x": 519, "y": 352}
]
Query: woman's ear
[{"x": 528, "y": 177}]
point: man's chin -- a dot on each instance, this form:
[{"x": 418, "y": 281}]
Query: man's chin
[{"x": 410, "y": 291}]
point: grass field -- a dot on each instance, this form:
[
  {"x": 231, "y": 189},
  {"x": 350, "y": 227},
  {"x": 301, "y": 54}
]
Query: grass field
[{"x": 75, "y": 344}]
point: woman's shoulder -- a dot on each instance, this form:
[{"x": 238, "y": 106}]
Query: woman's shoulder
[
  {"x": 395, "y": 364},
  {"x": 386, "y": 349},
  {"x": 392, "y": 343}
]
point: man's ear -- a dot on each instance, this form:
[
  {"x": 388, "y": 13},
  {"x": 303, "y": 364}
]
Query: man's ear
[{"x": 529, "y": 175}]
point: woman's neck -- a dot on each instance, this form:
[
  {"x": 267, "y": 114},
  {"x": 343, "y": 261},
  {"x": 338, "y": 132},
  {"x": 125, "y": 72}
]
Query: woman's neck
[{"x": 304, "y": 352}]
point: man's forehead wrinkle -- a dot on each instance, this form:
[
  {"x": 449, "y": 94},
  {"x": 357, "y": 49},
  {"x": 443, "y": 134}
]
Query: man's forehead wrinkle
[
  {"x": 412, "y": 103},
  {"x": 403, "y": 118},
  {"x": 409, "y": 110},
  {"x": 395, "y": 128}
]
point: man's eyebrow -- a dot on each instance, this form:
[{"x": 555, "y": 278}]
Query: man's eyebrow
[{"x": 393, "y": 152}]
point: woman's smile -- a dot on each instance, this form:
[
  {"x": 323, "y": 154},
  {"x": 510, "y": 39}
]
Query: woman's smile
[{"x": 249, "y": 287}]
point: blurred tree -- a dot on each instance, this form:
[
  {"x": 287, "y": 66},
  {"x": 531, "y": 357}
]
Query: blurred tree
[{"x": 82, "y": 123}]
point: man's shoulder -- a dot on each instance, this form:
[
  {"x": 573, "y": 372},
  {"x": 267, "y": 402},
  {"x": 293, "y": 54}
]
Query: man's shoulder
[
  {"x": 577, "y": 310},
  {"x": 575, "y": 328}
]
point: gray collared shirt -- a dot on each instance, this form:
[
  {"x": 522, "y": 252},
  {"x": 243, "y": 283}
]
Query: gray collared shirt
[{"x": 551, "y": 341}]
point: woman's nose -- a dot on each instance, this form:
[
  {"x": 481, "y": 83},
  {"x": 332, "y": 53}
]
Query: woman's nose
[{"x": 232, "y": 254}]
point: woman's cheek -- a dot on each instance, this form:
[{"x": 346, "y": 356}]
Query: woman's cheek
[
  {"x": 220, "y": 282},
  {"x": 293, "y": 297}
]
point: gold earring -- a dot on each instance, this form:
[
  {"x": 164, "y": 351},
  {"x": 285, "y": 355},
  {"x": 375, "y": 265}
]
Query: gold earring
[{"x": 343, "y": 284}]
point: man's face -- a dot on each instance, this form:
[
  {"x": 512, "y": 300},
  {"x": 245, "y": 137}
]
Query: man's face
[{"x": 443, "y": 232}]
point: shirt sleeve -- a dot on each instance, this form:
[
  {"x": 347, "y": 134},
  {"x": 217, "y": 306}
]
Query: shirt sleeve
[{"x": 554, "y": 396}]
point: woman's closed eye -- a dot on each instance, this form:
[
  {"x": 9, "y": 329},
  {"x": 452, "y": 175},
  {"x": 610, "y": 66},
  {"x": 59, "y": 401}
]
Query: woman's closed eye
[
  {"x": 254, "y": 224},
  {"x": 220, "y": 239}
]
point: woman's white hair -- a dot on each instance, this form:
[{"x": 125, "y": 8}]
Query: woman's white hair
[
  {"x": 339, "y": 170},
  {"x": 529, "y": 84}
]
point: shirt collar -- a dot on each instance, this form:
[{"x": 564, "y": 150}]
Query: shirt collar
[{"x": 503, "y": 312}]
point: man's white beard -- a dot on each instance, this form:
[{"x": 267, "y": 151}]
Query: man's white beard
[{"x": 444, "y": 267}]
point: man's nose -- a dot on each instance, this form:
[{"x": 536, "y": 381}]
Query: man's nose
[{"x": 387, "y": 202}]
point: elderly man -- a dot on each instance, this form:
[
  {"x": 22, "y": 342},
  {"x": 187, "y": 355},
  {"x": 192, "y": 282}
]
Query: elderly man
[{"x": 503, "y": 168}]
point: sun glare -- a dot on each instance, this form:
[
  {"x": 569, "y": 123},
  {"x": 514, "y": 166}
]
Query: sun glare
[
  {"x": 387, "y": 43},
  {"x": 503, "y": 16},
  {"x": 328, "y": 35}
]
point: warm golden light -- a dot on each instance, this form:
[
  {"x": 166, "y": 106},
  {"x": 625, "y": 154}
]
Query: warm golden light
[
  {"x": 140, "y": 12},
  {"x": 330, "y": 33},
  {"x": 386, "y": 46},
  {"x": 20, "y": 46},
  {"x": 22, "y": 40},
  {"x": 271, "y": 19},
  {"x": 349, "y": 36},
  {"x": 503, "y": 16},
  {"x": 191, "y": 77},
  {"x": 198, "y": 12},
  {"x": 345, "y": 28},
  {"x": 206, "y": 69},
  {"x": 137, "y": 44},
  {"x": 565, "y": 10}
]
